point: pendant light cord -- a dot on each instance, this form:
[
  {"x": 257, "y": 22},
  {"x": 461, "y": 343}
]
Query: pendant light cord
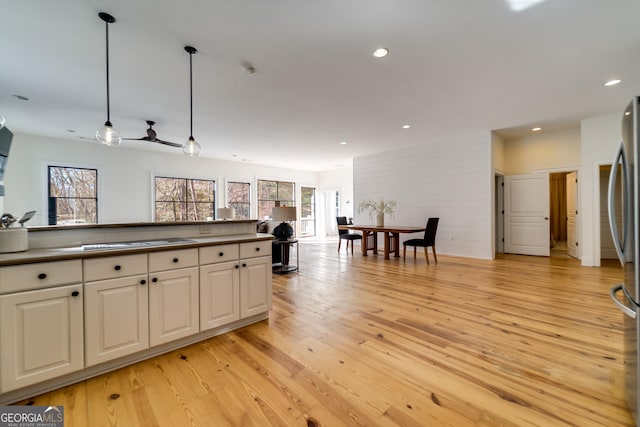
[
  {"x": 191, "y": 94},
  {"x": 107, "y": 19},
  {"x": 108, "y": 112}
]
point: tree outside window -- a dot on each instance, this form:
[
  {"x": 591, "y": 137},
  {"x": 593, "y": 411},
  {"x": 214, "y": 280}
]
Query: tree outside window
[
  {"x": 183, "y": 199},
  {"x": 239, "y": 198},
  {"x": 73, "y": 195}
]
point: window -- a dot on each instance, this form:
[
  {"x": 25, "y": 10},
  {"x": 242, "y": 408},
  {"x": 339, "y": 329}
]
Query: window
[
  {"x": 73, "y": 195},
  {"x": 239, "y": 198},
  {"x": 182, "y": 199},
  {"x": 308, "y": 208},
  {"x": 271, "y": 191}
]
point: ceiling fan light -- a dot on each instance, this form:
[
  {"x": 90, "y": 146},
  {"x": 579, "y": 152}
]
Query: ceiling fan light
[
  {"x": 107, "y": 135},
  {"x": 191, "y": 147}
]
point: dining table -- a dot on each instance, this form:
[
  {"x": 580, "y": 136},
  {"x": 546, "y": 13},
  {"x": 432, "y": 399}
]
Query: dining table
[{"x": 391, "y": 237}]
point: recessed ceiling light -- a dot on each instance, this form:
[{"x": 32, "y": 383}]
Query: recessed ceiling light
[
  {"x": 343, "y": 142},
  {"x": 406, "y": 126},
  {"x": 613, "y": 82},
  {"x": 536, "y": 129},
  {"x": 381, "y": 52}
]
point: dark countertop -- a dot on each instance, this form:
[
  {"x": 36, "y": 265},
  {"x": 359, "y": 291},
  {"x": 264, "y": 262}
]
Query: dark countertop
[
  {"x": 60, "y": 254},
  {"x": 137, "y": 224}
]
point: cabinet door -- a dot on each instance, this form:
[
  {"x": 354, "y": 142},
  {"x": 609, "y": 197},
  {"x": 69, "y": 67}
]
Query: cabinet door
[
  {"x": 117, "y": 318},
  {"x": 41, "y": 335},
  {"x": 173, "y": 305},
  {"x": 255, "y": 286},
  {"x": 219, "y": 294}
]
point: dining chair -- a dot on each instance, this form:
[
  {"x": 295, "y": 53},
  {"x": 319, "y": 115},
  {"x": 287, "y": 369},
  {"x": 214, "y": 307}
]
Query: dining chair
[
  {"x": 428, "y": 240},
  {"x": 345, "y": 234}
]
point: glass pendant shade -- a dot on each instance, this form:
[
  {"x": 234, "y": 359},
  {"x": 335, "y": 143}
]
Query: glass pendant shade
[
  {"x": 3, "y": 121},
  {"x": 107, "y": 135},
  {"x": 191, "y": 147}
]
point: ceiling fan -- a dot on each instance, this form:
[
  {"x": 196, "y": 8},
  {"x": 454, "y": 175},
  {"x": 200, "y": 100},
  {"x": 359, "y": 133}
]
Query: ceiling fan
[{"x": 152, "y": 136}]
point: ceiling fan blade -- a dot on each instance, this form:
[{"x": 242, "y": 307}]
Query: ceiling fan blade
[
  {"x": 136, "y": 139},
  {"x": 170, "y": 144}
]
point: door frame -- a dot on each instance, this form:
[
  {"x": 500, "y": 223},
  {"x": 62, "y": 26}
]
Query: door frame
[
  {"x": 498, "y": 216},
  {"x": 575, "y": 169}
]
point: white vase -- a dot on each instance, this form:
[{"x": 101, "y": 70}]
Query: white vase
[{"x": 380, "y": 220}]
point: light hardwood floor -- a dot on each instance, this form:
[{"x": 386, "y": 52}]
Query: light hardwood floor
[{"x": 354, "y": 341}]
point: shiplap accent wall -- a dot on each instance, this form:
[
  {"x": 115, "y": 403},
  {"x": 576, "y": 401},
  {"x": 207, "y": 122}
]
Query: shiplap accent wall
[{"x": 450, "y": 178}]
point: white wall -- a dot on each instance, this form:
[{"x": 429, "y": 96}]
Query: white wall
[
  {"x": 497, "y": 153},
  {"x": 548, "y": 150},
  {"x": 124, "y": 175},
  {"x": 450, "y": 178},
  {"x": 600, "y": 138}
]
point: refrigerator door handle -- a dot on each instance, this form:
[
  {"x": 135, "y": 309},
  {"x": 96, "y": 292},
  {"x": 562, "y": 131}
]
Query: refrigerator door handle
[
  {"x": 613, "y": 225},
  {"x": 626, "y": 310}
]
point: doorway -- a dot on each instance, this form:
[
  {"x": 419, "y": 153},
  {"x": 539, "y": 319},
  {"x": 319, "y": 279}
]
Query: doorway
[
  {"x": 527, "y": 204},
  {"x": 563, "y": 213}
]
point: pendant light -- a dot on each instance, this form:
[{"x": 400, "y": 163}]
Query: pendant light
[
  {"x": 107, "y": 134},
  {"x": 191, "y": 147}
]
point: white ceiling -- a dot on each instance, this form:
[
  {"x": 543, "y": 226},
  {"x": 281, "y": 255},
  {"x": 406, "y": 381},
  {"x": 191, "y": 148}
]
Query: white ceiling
[{"x": 455, "y": 66}]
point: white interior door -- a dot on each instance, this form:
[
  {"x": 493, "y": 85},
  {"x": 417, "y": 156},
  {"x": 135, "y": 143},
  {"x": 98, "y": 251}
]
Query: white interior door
[
  {"x": 526, "y": 200},
  {"x": 572, "y": 214}
]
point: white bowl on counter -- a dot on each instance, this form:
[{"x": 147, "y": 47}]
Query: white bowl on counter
[{"x": 13, "y": 240}]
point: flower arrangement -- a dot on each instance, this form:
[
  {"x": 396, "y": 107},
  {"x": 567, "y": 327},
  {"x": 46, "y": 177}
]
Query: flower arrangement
[{"x": 378, "y": 208}]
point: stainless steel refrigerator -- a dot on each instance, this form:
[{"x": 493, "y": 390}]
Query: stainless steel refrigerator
[{"x": 623, "y": 220}]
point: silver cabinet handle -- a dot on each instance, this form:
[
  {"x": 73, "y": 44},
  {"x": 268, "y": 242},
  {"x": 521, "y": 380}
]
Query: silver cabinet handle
[{"x": 626, "y": 310}]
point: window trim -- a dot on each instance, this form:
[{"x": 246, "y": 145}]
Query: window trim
[
  {"x": 216, "y": 192},
  {"x": 46, "y": 164},
  {"x": 315, "y": 210},
  {"x": 296, "y": 188},
  {"x": 252, "y": 186}
]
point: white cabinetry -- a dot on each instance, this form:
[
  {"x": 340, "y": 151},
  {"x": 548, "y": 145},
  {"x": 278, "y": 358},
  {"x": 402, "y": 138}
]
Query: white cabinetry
[
  {"x": 41, "y": 332},
  {"x": 235, "y": 282},
  {"x": 255, "y": 278},
  {"x": 219, "y": 285},
  {"x": 116, "y": 307},
  {"x": 59, "y": 318},
  {"x": 173, "y": 295}
]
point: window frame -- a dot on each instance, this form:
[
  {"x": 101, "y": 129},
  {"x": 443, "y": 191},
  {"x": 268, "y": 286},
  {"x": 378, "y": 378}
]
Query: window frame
[
  {"x": 249, "y": 200},
  {"x": 48, "y": 197},
  {"x": 214, "y": 187},
  {"x": 283, "y": 202},
  {"x": 314, "y": 218}
]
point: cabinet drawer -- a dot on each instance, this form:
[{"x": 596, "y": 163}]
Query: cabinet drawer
[
  {"x": 40, "y": 275},
  {"x": 113, "y": 267},
  {"x": 255, "y": 249},
  {"x": 170, "y": 260},
  {"x": 222, "y": 253}
]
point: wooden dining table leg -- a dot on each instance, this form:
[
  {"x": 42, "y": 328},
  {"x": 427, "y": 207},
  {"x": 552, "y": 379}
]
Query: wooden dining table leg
[
  {"x": 365, "y": 243},
  {"x": 396, "y": 244},
  {"x": 387, "y": 244}
]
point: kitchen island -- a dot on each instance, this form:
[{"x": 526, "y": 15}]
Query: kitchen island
[{"x": 85, "y": 300}]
